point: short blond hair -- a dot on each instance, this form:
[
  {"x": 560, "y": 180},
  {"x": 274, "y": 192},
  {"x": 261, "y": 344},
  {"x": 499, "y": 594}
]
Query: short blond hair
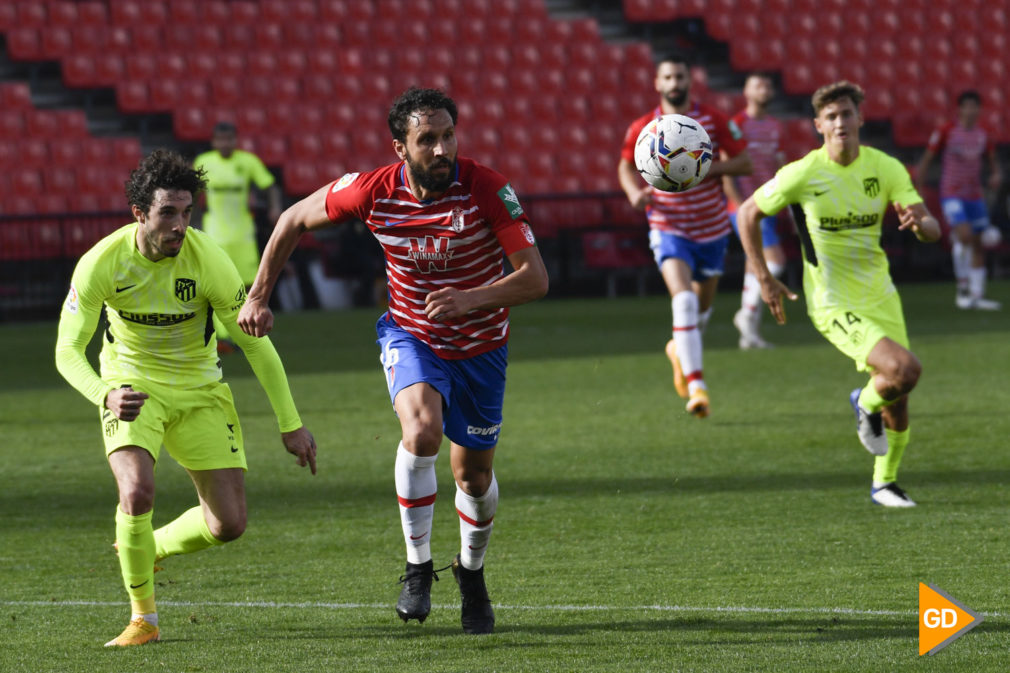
[{"x": 834, "y": 92}]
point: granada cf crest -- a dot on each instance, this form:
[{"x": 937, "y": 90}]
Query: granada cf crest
[
  {"x": 457, "y": 220},
  {"x": 871, "y": 186},
  {"x": 185, "y": 289}
]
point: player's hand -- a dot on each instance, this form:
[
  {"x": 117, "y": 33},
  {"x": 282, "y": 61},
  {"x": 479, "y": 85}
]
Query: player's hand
[
  {"x": 642, "y": 199},
  {"x": 302, "y": 445},
  {"x": 256, "y": 319},
  {"x": 446, "y": 304},
  {"x": 125, "y": 403},
  {"x": 772, "y": 292},
  {"x": 906, "y": 218}
]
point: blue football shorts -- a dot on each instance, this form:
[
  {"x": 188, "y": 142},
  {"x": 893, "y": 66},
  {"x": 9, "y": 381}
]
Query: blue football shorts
[
  {"x": 704, "y": 259},
  {"x": 472, "y": 390},
  {"x": 769, "y": 230},
  {"x": 958, "y": 211}
]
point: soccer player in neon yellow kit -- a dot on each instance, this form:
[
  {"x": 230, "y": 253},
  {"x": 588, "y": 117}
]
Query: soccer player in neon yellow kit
[
  {"x": 228, "y": 221},
  {"x": 160, "y": 375},
  {"x": 844, "y": 190}
]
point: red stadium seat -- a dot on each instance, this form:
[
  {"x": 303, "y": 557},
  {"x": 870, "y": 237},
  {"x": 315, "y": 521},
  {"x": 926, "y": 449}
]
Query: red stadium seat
[
  {"x": 192, "y": 123},
  {"x": 24, "y": 44},
  {"x": 59, "y": 180},
  {"x": 92, "y": 13},
  {"x": 8, "y": 16},
  {"x": 65, "y": 152},
  {"x": 32, "y": 14},
  {"x": 251, "y": 120},
  {"x": 300, "y": 178},
  {"x": 126, "y": 151},
  {"x": 272, "y": 150},
  {"x": 57, "y": 42},
  {"x": 27, "y": 182},
  {"x": 133, "y": 96},
  {"x": 305, "y": 147},
  {"x": 227, "y": 91},
  {"x": 16, "y": 96},
  {"x": 96, "y": 151}
]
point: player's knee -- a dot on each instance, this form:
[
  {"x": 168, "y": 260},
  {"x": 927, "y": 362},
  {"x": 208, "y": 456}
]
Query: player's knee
[
  {"x": 907, "y": 372},
  {"x": 136, "y": 498},
  {"x": 422, "y": 439},
  {"x": 226, "y": 531},
  {"x": 475, "y": 480}
]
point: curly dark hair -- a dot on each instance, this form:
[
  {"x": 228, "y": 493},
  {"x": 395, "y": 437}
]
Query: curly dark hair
[
  {"x": 162, "y": 169},
  {"x": 417, "y": 100}
]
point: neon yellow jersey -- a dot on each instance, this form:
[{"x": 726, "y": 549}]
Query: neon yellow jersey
[
  {"x": 843, "y": 263},
  {"x": 228, "y": 219},
  {"x": 159, "y": 326}
]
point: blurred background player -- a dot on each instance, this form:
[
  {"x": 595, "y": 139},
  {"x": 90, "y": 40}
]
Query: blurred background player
[
  {"x": 962, "y": 144},
  {"x": 445, "y": 224},
  {"x": 160, "y": 379},
  {"x": 227, "y": 219},
  {"x": 689, "y": 231},
  {"x": 844, "y": 190},
  {"x": 764, "y": 135}
]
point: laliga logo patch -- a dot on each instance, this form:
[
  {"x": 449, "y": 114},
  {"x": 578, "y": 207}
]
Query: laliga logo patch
[
  {"x": 72, "y": 299},
  {"x": 344, "y": 181},
  {"x": 457, "y": 220}
]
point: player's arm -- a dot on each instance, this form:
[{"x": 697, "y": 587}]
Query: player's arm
[
  {"x": 255, "y": 317},
  {"x": 917, "y": 219},
  {"x": 526, "y": 283},
  {"x": 739, "y": 164},
  {"x": 732, "y": 192},
  {"x": 922, "y": 168},
  {"x": 78, "y": 321},
  {"x": 638, "y": 192},
  {"x": 748, "y": 222},
  {"x": 274, "y": 202}
]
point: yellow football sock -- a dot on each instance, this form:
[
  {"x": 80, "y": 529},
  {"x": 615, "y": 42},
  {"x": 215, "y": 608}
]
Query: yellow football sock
[
  {"x": 185, "y": 535},
  {"x": 870, "y": 399},
  {"x": 885, "y": 468},
  {"x": 135, "y": 542}
]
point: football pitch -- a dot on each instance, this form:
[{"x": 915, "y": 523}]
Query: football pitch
[{"x": 629, "y": 537}]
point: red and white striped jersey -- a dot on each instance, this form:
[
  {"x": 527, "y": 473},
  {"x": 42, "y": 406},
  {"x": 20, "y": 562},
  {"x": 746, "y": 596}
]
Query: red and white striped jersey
[
  {"x": 764, "y": 144},
  {"x": 699, "y": 214},
  {"x": 961, "y": 170},
  {"x": 458, "y": 240}
]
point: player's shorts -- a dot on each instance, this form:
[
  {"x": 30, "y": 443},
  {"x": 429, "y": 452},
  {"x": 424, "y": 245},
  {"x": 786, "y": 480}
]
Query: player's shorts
[
  {"x": 769, "y": 230},
  {"x": 199, "y": 427},
  {"x": 472, "y": 390},
  {"x": 704, "y": 259},
  {"x": 958, "y": 211},
  {"x": 856, "y": 332}
]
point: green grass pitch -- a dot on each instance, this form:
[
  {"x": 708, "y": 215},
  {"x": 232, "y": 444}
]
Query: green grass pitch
[{"x": 630, "y": 537}]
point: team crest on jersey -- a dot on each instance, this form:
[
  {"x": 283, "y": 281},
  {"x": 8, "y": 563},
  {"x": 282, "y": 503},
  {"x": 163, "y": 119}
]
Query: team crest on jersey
[
  {"x": 511, "y": 201},
  {"x": 344, "y": 181},
  {"x": 430, "y": 254},
  {"x": 457, "y": 220},
  {"x": 871, "y": 186},
  {"x": 72, "y": 299},
  {"x": 185, "y": 289},
  {"x": 528, "y": 233}
]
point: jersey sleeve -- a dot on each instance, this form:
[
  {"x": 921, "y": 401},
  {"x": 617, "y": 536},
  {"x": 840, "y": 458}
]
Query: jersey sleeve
[
  {"x": 260, "y": 174},
  {"x": 781, "y": 190},
  {"x": 346, "y": 198},
  {"x": 938, "y": 139},
  {"x": 501, "y": 207},
  {"x": 728, "y": 135},
  {"x": 899, "y": 182},
  {"x": 78, "y": 321},
  {"x": 630, "y": 136}
]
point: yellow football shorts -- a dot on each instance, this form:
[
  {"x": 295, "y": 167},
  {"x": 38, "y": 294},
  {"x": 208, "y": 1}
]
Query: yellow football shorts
[
  {"x": 199, "y": 427},
  {"x": 856, "y": 331}
]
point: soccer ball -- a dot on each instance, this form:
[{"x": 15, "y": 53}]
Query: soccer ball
[
  {"x": 673, "y": 153},
  {"x": 991, "y": 237}
]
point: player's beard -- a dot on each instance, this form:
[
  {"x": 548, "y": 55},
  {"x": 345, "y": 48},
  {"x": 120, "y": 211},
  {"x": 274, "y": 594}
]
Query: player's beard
[
  {"x": 677, "y": 98},
  {"x": 427, "y": 180},
  {"x": 162, "y": 248}
]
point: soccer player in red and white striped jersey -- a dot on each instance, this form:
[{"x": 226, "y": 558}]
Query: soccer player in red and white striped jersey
[
  {"x": 445, "y": 223},
  {"x": 764, "y": 135},
  {"x": 962, "y": 145},
  {"x": 689, "y": 230}
]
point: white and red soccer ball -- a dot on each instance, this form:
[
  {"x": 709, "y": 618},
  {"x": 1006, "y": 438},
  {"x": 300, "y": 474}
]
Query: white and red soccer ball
[{"x": 673, "y": 153}]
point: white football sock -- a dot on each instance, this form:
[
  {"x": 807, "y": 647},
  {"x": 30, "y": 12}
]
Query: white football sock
[
  {"x": 976, "y": 282},
  {"x": 416, "y": 488},
  {"x": 960, "y": 257},
  {"x": 476, "y": 519},
  {"x": 151, "y": 618},
  {"x": 688, "y": 338},
  {"x": 750, "y": 298}
]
